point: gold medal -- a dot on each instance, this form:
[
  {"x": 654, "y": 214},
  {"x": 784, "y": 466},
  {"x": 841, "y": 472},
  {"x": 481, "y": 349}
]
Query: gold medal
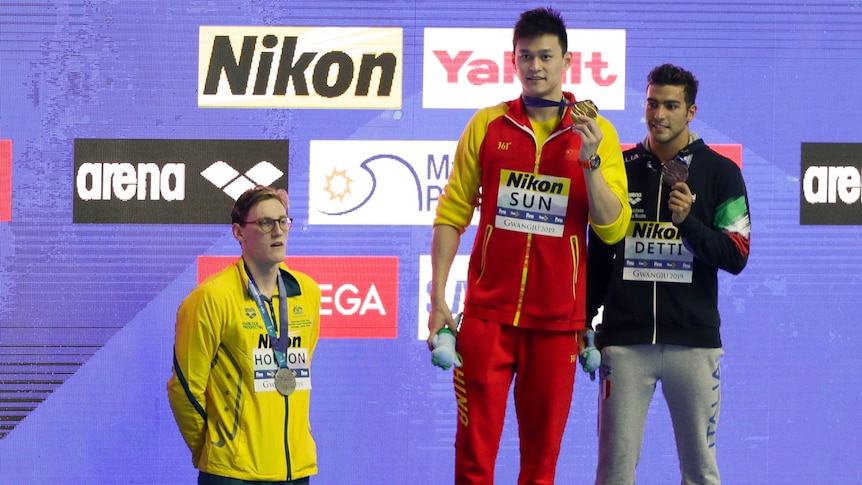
[
  {"x": 584, "y": 108},
  {"x": 285, "y": 381}
]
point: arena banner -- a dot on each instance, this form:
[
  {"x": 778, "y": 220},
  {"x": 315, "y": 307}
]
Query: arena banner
[
  {"x": 134, "y": 181},
  {"x": 831, "y": 188}
]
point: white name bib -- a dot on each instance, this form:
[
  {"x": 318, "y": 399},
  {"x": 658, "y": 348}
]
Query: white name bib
[
  {"x": 654, "y": 252},
  {"x": 532, "y": 203},
  {"x": 265, "y": 367}
]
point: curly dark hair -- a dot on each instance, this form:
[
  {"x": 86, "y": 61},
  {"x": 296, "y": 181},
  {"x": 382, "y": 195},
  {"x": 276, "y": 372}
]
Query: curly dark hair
[{"x": 670, "y": 75}]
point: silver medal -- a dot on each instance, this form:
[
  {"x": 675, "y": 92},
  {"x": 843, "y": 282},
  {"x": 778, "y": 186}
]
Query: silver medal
[{"x": 285, "y": 381}]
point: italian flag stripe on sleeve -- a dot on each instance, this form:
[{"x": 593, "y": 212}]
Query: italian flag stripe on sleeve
[{"x": 732, "y": 218}]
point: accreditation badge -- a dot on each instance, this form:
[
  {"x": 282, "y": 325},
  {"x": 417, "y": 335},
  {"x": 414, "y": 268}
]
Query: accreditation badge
[
  {"x": 532, "y": 203},
  {"x": 266, "y": 369},
  {"x": 654, "y": 252}
]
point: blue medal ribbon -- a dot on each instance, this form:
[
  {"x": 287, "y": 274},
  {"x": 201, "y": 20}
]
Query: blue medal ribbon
[
  {"x": 544, "y": 103},
  {"x": 281, "y": 339}
]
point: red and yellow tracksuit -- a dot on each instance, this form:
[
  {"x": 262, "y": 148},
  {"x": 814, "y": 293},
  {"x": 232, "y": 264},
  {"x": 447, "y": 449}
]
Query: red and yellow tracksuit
[{"x": 526, "y": 284}]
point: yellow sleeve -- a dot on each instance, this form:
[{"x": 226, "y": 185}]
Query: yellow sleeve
[
  {"x": 194, "y": 348},
  {"x": 460, "y": 197},
  {"x": 614, "y": 170}
]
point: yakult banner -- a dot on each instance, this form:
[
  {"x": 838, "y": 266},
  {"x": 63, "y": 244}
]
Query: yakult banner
[
  {"x": 300, "y": 67},
  {"x": 473, "y": 68},
  {"x": 359, "y": 295},
  {"x": 377, "y": 182}
]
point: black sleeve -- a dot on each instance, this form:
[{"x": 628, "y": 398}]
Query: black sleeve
[
  {"x": 600, "y": 263},
  {"x": 726, "y": 244}
]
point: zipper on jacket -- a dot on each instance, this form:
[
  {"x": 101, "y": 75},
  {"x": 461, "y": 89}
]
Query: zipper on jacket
[
  {"x": 655, "y": 283},
  {"x": 525, "y": 265},
  {"x": 286, "y": 426},
  {"x": 523, "y": 285},
  {"x": 526, "y": 261},
  {"x": 286, "y": 439}
]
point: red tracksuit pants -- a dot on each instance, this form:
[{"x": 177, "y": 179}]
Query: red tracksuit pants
[{"x": 543, "y": 365}]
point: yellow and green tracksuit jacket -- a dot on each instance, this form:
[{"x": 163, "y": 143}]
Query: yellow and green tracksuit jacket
[{"x": 221, "y": 392}]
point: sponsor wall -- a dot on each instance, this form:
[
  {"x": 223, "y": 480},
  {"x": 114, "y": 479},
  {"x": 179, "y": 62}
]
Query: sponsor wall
[{"x": 127, "y": 129}]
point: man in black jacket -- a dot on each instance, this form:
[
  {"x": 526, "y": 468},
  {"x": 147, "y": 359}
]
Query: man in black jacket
[{"x": 659, "y": 287}]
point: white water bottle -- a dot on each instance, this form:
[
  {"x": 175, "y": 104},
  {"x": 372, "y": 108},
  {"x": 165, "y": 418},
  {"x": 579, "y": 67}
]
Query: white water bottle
[
  {"x": 591, "y": 357},
  {"x": 444, "y": 354}
]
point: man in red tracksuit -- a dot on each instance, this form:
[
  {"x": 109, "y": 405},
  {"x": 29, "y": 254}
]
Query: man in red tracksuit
[{"x": 539, "y": 174}]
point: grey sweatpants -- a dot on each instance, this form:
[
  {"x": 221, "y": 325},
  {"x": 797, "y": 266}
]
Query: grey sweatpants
[{"x": 690, "y": 380}]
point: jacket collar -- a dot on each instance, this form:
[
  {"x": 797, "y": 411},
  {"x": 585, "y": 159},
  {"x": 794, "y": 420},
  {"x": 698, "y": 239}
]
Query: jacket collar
[
  {"x": 644, "y": 155},
  {"x": 518, "y": 111},
  {"x": 291, "y": 284}
]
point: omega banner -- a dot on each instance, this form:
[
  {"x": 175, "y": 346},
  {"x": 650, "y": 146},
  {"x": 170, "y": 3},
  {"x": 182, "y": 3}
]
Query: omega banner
[
  {"x": 120, "y": 181},
  {"x": 358, "y": 295},
  {"x": 831, "y": 184}
]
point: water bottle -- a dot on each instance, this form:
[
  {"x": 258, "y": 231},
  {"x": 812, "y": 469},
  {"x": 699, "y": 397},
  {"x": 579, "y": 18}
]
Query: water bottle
[
  {"x": 444, "y": 354},
  {"x": 591, "y": 357}
]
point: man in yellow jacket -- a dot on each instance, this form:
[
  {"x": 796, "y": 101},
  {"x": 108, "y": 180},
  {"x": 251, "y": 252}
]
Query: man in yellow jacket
[{"x": 242, "y": 357}]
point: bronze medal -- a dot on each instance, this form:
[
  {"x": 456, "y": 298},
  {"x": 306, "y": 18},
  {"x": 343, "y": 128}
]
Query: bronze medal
[
  {"x": 674, "y": 171},
  {"x": 285, "y": 381}
]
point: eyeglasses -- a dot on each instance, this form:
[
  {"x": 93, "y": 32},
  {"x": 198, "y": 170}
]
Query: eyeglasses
[{"x": 267, "y": 225}]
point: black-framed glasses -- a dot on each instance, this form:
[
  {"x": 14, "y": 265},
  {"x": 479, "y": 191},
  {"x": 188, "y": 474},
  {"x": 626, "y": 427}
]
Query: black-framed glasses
[{"x": 267, "y": 224}]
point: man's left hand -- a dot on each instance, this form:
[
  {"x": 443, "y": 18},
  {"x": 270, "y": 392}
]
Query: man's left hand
[{"x": 680, "y": 202}]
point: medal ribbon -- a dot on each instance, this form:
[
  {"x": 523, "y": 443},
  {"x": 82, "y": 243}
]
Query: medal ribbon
[
  {"x": 684, "y": 156},
  {"x": 281, "y": 339},
  {"x": 543, "y": 103}
]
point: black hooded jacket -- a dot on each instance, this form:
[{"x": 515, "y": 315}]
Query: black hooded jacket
[{"x": 660, "y": 284}]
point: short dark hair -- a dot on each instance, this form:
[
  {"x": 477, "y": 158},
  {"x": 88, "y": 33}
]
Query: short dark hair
[
  {"x": 670, "y": 75},
  {"x": 251, "y": 198},
  {"x": 541, "y": 21}
]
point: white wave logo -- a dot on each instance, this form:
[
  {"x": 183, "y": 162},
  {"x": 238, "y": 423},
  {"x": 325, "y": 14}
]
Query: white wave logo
[{"x": 377, "y": 182}]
